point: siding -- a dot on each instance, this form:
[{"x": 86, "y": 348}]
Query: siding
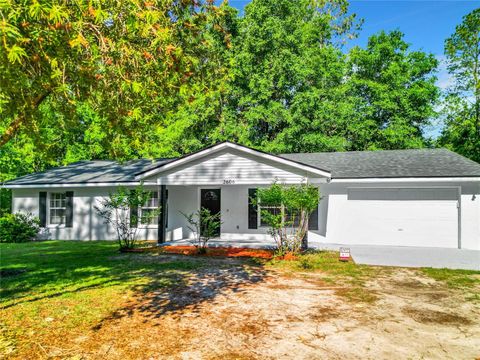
[{"x": 230, "y": 167}]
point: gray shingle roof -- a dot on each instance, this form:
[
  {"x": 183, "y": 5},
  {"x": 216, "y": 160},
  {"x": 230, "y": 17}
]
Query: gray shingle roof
[
  {"x": 98, "y": 171},
  {"x": 355, "y": 164},
  {"x": 391, "y": 163}
]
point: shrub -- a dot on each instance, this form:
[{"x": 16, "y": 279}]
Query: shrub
[
  {"x": 115, "y": 211},
  {"x": 204, "y": 226},
  {"x": 19, "y": 227},
  {"x": 288, "y": 222}
]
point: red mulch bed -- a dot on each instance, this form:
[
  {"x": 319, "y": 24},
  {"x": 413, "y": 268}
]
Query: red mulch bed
[{"x": 219, "y": 251}]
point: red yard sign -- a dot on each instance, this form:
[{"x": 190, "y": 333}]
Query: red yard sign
[{"x": 344, "y": 254}]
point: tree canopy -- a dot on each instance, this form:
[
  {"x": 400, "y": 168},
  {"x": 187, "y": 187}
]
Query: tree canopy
[
  {"x": 462, "y": 101},
  {"x": 122, "y": 80}
]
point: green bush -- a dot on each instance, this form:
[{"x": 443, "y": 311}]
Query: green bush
[{"x": 19, "y": 227}]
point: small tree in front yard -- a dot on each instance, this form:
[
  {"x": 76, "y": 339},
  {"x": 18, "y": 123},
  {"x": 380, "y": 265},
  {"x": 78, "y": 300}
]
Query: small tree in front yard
[
  {"x": 286, "y": 210},
  {"x": 204, "y": 226},
  {"x": 116, "y": 210}
]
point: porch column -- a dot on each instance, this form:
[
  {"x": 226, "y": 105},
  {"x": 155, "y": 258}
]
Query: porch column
[{"x": 162, "y": 216}]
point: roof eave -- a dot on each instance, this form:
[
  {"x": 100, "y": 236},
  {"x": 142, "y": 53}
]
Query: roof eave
[{"x": 473, "y": 178}]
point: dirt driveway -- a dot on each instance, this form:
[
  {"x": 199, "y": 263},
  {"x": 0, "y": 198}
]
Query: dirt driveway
[{"x": 243, "y": 312}]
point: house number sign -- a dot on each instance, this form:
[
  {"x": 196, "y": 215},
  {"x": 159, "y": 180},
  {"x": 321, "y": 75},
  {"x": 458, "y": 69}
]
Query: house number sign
[{"x": 228, "y": 181}]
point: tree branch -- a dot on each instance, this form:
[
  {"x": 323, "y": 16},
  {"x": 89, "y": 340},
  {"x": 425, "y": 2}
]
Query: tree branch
[{"x": 12, "y": 130}]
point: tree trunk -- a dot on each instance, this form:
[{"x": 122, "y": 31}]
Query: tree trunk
[
  {"x": 12, "y": 130},
  {"x": 305, "y": 230}
]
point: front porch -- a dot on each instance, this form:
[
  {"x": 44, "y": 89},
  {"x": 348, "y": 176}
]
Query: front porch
[{"x": 222, "y": 179}]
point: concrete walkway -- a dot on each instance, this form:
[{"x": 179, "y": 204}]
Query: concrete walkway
[{"x": 405, "y": 256}]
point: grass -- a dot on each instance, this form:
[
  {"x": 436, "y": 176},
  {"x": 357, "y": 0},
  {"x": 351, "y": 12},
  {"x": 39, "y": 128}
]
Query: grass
[
  {"x": 347, "y": 275},
  {"x": 466, "y": 280},
  {"x": 326, "y": 262},
  {"x": 55, "y": 287},
  {"x": 41, "y": 270},
  {"x": 456, "y": 279}
]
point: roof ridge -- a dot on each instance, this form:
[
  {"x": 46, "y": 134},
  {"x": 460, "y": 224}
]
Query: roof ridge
[{"x": 369, "y": 151}]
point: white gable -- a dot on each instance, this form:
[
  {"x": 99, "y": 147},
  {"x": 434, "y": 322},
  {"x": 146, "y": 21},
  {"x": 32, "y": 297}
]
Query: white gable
[{"x": 231, "y": 167}]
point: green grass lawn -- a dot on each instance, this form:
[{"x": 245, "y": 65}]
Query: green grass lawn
[
  {"x": 53, "y": 287},
  {"x": 41, "y": 270}
]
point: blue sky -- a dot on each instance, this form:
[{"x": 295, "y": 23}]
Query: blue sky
[{"x": 426, "y": 25}]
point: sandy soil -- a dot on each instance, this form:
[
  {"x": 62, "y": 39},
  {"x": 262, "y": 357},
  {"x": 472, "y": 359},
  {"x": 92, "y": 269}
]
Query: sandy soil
[{"x": 242, "y": 312}]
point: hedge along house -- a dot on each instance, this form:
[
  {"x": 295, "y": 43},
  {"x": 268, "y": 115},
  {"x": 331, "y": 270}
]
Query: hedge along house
[{"x": 425, "y": 197}]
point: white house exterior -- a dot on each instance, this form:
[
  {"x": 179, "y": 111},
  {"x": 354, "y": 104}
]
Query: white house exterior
[{"x": 427, "y": 198}]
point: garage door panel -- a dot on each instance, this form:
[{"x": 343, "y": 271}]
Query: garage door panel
[{"x": 400, "y": 222}]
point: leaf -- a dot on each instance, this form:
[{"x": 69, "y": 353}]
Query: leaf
[
  {"x": 136, "y": 87},
  {"x": 35, "y": 10},
  {"x": 57, "y": 13},
  {"x": 16, "y": 53},
  {"x": 78, "y": 41}
]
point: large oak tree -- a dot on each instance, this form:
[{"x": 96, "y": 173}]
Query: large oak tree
[{"x": 133, "y": 63}]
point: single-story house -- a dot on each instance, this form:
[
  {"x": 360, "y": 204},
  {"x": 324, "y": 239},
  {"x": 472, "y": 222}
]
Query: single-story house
[{"x": 425, "y": 197}]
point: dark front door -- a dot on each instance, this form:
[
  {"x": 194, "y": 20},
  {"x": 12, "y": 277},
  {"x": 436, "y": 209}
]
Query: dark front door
[{"x": 210, "y": 199}]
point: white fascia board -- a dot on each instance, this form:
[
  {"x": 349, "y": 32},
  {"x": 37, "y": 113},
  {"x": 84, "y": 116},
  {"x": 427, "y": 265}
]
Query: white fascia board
[
  {"x": 243, "y": 149},
  {"x": 409, "y": 179},
  {"x": 80, "y": 185}
]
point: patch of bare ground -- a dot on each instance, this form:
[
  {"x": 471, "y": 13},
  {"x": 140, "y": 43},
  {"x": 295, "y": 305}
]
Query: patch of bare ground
[{"x": 245, "y": 312}]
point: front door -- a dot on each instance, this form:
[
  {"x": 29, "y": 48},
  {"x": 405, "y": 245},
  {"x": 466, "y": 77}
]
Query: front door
[{"x": 210, "y": 199}]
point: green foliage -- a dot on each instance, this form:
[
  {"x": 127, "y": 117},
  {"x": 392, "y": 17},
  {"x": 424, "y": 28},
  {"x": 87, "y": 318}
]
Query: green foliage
[
  {"x": 110, "y": 80},
  {"x": 204, "y": 227},
  {"x": 136, "y": 65},
  {"x": 289, "y": 225},
  {"x": 287, "y": 91},
  {"x": 462, "y": 104},
  {"x": 116, "y": 211},
  {"x": 395, "y": 92},
  {"x": 18, "y": 227},
  {"x": 460, "y": 133},
  {"x": 5, "y": 201}
]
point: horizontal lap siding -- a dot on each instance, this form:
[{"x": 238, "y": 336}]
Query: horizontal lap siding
[{"x": 230, "y": 167}]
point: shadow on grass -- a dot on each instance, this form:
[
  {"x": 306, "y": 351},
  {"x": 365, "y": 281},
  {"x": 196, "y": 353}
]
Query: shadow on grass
[
  {"x": 191, "y": 290},
  {"x": 161, "y": 284}
]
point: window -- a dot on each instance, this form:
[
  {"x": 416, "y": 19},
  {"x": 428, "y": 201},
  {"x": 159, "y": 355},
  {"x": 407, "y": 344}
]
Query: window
[
  {"x": 148, "y": 211},
  {"x": 292, "y": 217},
  {"x": 288, "y": 216},
  {"x": 274, "y": 210},
  {"x": 58, "y": 207}
]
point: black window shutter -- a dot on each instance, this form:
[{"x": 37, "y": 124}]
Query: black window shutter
[
  {"x": 69, "y": 209},
  {"x": 313, "y": 220},
  {"x": 166, "y": 208},
  {"x": 252, "y": 209},
  {"x": 133, "y": 214},
  {"x": 42, "y": 208}
]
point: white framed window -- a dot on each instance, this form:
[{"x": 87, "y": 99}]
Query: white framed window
[
  {"x": 57, "y": 209},
  {"x": 292, "y": 217},
  {"x": 274, "y": 210},
  {"x": 288, "y": 215},
  {"x": 150, "y": 207}
]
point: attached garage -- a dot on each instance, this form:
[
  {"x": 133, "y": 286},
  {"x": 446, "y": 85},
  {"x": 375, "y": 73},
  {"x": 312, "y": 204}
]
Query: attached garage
[{"x": 401, "y": 216}]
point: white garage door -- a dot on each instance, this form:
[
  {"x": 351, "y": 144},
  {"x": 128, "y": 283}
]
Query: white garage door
[{"x": 402, "y": 217}]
